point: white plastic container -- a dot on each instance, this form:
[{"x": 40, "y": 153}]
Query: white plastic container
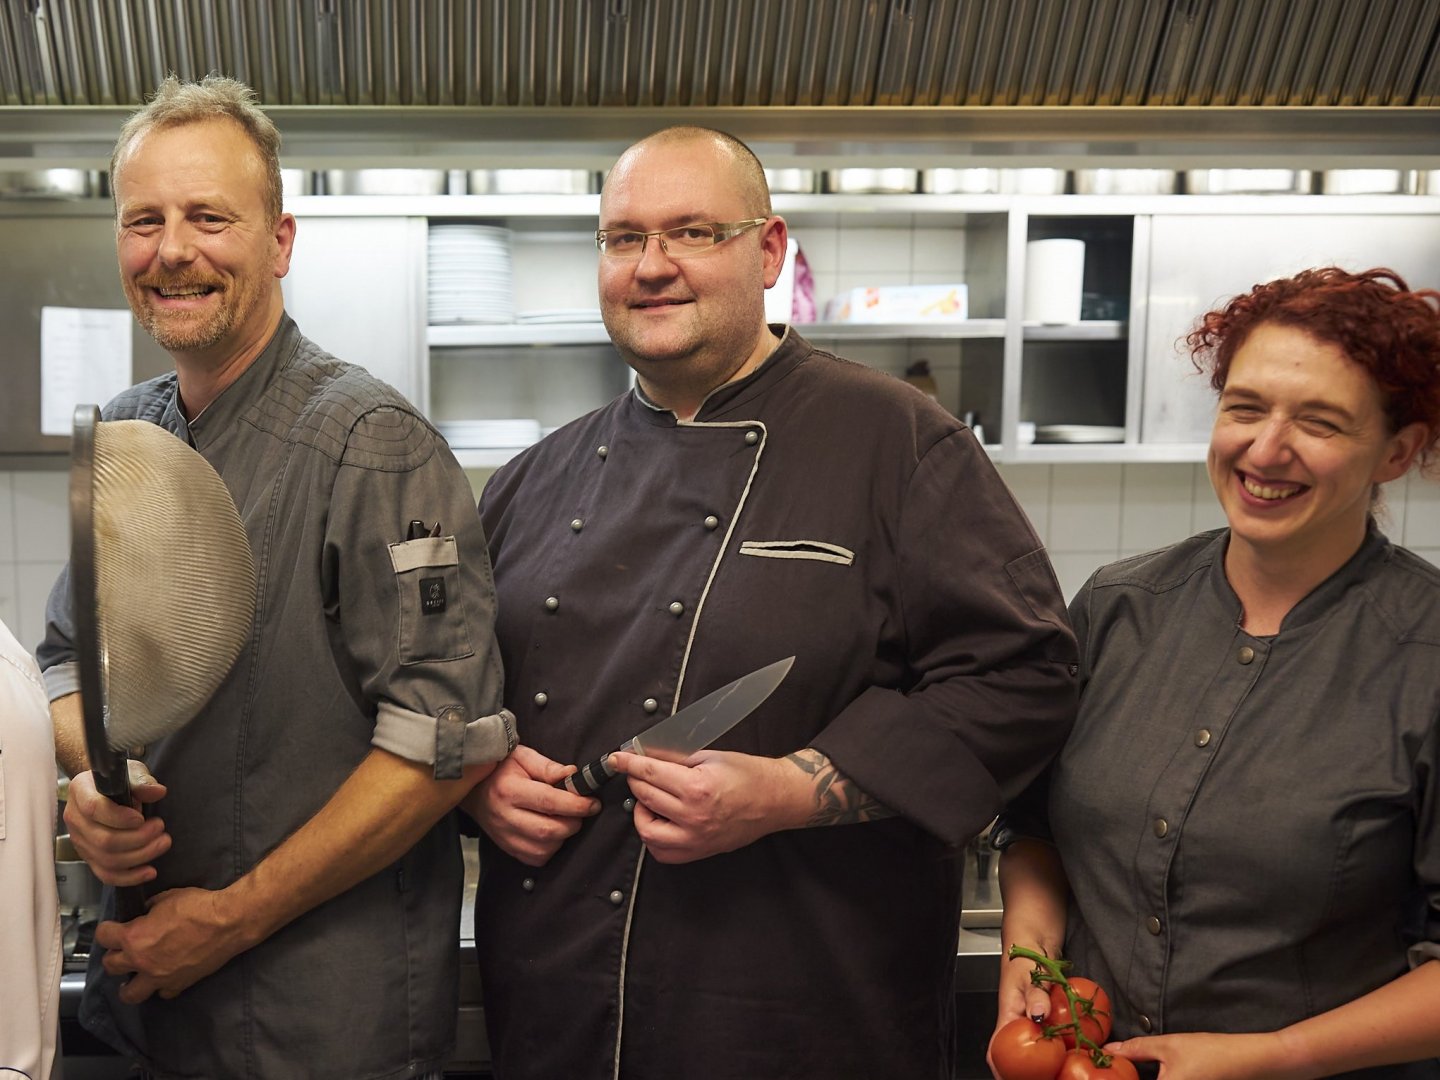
[{"x": 1054, "y": 280}]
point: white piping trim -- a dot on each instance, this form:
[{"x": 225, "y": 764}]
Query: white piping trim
[
  {"x": 675, "y": 701},
  {"x": 815, "y": 550}
]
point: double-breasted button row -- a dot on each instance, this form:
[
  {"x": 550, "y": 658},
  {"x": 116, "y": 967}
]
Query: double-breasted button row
[
  {"x": 752, "y": 437},
  {"x": 552, "y": 603},
  {"x": 650, "y": 705}
]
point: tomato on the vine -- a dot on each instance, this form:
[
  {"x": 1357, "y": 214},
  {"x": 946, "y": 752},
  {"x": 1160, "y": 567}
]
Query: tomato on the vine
[
  {"x": 1020, "y": 1051},
  {"x": 1079, "y": 1065},
  {"x": 1094, "y": 1021}
]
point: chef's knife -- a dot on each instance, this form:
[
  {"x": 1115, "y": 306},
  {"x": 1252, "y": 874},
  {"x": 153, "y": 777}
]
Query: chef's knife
[{"x": 692, "y": 728}]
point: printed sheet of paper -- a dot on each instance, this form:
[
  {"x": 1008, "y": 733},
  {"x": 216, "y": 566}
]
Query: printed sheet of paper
[{"x": 85, "y": 358}]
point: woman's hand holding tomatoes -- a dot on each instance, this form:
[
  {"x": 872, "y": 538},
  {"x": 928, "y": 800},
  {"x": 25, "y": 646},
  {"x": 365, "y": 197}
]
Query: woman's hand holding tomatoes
[{"x": 1068, "y": 1045}]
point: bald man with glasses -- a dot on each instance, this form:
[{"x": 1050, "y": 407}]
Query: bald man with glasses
[{"x": 786, "y": 902}]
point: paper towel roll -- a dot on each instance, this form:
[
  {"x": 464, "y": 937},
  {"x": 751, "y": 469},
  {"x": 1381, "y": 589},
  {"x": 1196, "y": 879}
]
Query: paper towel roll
[{"x": 1054, "y": 280}]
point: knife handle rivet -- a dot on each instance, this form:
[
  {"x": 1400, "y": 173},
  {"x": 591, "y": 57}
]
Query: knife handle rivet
[{"x": 650, "y": 704}]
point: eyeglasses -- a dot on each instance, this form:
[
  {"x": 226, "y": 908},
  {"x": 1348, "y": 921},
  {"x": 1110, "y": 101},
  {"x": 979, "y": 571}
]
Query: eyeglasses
[{"x": 679, "y": 243}]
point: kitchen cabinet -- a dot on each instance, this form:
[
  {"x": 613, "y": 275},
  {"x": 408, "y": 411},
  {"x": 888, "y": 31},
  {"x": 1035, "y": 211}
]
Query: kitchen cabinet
[{"x": 359, "y": 281}]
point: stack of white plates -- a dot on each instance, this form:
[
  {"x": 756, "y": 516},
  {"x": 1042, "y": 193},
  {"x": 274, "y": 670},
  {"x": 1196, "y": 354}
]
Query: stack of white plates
[
  {"x": 1078, "y": 433},
  {"x": 470, "y": 274},
  {"x": 484, "y": 434}
]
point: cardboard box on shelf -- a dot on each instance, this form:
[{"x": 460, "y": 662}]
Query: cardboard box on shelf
[{"x": 900, "y": 304}]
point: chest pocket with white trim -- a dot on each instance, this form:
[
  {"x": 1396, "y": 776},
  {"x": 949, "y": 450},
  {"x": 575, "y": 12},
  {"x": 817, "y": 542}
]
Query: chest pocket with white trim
[
  {"x": 815, "y": 550},
  {"x": 432, "y": 617}
]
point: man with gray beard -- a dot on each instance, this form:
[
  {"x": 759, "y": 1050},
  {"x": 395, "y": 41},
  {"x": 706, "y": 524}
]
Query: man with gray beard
[{"x": 301, "y": 864}]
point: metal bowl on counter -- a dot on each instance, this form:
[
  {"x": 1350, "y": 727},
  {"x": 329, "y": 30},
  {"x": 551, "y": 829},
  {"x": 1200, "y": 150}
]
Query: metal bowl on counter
[
  {"x": 78, "y": 886},
  {"x": 533, "y": 182},
  {"x": 872, "y": 181},
  {"x": 1125, "y": 181},
  {"x": 1248, "y": 181},
  {"x": 50, "y": 184},
  {"x": 1368, "y": 181},
  {"x": 792, "y": 181},
  {"x": 384, "y": 181},
  {"x": 993, "y": 181},
  {"x": 295, "y": 182}
]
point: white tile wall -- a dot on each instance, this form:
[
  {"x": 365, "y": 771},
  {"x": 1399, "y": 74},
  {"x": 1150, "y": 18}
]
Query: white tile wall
[
  {"x": 1086, "y": 515},
  {"x": 34, "y": 543}
]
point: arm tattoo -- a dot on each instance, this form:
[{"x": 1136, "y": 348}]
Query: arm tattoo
[{"x": 838, "y": 801}]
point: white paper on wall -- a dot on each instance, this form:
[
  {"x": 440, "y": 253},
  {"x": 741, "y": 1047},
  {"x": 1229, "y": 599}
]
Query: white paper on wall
[{"x": 85, "y": 358}]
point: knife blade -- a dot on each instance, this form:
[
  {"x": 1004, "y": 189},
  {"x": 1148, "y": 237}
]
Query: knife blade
[{"x": 692, "y": 728}]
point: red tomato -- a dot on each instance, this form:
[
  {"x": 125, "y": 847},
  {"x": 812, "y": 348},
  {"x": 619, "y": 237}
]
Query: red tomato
[
  {"x": 1078, "y": 1065},
  {"x": 1019, "y": 1051},
  {"x": 1094, "y": 1020}
]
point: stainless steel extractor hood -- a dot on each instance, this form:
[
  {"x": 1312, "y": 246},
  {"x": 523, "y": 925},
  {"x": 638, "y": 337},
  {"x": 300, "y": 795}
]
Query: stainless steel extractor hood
[{"x": 1016, "y": 77}]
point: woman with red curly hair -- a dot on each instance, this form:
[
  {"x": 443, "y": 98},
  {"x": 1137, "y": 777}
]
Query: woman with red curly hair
[{"x": 1241, "y": 840}]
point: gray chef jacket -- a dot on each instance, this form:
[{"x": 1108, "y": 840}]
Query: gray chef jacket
[
  {"x": 326, "y": 465},
  {"x": 1249, "y": 824},
  {"x": 816, "y": 508}
]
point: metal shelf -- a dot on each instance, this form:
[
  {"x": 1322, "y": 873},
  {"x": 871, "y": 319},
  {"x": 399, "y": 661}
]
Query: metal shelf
[
  {"x": 486, "y": 335},
  {"x": 1087, "y": 330}
]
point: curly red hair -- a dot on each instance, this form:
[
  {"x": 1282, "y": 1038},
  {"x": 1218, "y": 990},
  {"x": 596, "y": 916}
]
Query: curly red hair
[{"x": 1375, "y": 319}]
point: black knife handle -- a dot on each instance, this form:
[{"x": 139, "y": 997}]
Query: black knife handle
[{"x": 589, "y": 779}]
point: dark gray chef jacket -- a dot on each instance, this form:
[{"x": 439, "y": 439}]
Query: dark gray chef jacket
[
  {"x": 326, "y": 465},
  {"x": 1249, "y": 824},
  {"x": 816, "y": 508}
]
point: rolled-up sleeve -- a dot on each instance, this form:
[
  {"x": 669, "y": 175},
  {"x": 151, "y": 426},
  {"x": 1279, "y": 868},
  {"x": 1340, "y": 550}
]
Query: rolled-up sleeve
[
  {"x": 416, "y": 617},
  {"x": 989, "y": 649},
  {"x": 56, "y": 653}
]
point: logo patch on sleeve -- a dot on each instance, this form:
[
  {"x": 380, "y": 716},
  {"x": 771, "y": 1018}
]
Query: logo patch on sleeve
[{"x": 432, "y": 595}]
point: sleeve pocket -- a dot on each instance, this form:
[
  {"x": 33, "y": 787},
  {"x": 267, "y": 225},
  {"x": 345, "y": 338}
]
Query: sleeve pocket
[
  {"x": 1034, "y": 579},
  {"x": 431, "y": 612}
]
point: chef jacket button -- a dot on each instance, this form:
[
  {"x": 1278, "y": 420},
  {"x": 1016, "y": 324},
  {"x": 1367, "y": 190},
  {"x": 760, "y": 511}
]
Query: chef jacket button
[
  {"x": 617, "y": 897},
  {"x": 1245, "y": 655},
  {"x": 1153, "y": 925},
  {"x": 677, "y": 608},
  {"x": 603, "y": 451},
  {"x": 1145, "y": 1024},
  {"x": 528, "y": 884},
  {"x": 650, "y": 704},
  {"x": 1202, "y": 737},
  {"x": 577, "y": 524},
  {"x": 751, "y": 438},
  {"x": 1162, "y": 828},
  {"x": 629, "y": 803},
  {"x": 712, "y": 522},
  {"x": 1074, "y": 669},
  {"x": 552, "y": 603},
  {"x": 541, "y": 698}
]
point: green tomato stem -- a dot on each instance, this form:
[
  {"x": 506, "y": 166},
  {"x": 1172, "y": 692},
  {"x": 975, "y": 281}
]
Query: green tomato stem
[{"x": 1053, "y": 971}]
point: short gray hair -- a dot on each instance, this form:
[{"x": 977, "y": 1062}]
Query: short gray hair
[{"x": 215, "y": 97}]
